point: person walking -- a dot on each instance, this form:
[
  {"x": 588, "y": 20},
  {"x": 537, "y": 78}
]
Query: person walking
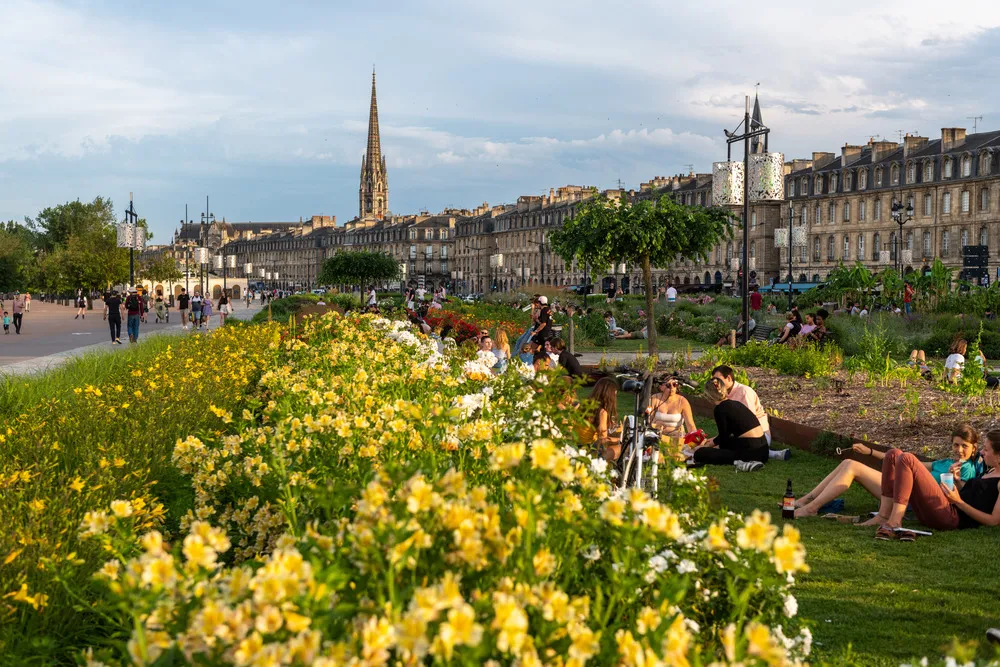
[
  {"x": 135, "y": 311},
  {"x": 27, "y": 302},
  {"x": 223, "y": 308},
  {"x": 113, "y": 316},
  {"x": 6, "y": 323},
  {"x": 81, "y": 305},
  {"x": 197, "y": 304},
  {"x": 206, "y": 312},
  {"x": 18, "y": 311},
  {"x": 183, "y": 301},
  {"x": 908, "y": 293}
]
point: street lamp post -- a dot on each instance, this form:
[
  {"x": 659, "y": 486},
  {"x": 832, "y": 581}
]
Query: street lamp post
[
  {"x": 749, "y": 132},
  {"x": 132, "y": 218},
  {"x": 901, "y": 215}
]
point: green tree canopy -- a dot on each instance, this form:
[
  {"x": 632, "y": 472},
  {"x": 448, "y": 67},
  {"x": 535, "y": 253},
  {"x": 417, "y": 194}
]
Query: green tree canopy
[
  {"x": 18, "y": 266},
  {"x": 358, "y": 268},
  {"x": 650, "y": 233},
  {"x": 159, "y": 268}
]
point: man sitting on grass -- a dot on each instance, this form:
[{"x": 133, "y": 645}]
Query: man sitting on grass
[{"x": 748, "y": 397}]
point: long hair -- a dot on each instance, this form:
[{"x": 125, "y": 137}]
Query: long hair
[
  {"x": 502, "y": 342},
  {"x": 960, "y": 346},
  {"x": 605, "y": 393}
]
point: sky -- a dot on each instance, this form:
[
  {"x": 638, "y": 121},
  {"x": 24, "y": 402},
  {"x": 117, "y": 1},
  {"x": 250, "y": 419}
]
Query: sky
[{"x": 263, "y": 106}]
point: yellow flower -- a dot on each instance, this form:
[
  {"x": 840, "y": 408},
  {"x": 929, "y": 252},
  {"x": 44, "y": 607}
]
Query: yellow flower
[
  {"x": 460, "y": 629},
  {"x": 585, "y": 644},
  {"x": 77, "y": 484},
  {"x": 545, "y": 563},
  {"x": 111, "y": 570},
  {"x": 760, "y": 643},
  {"x": 121, "y": 508},
  {"x": 508, "y": 456},
  {"x": 422, "y": 496},
  {"x": 197, "y": 553},
  {"x": 269, "y": 620},
  {"x": 716, "y": 538},
  {"x": 377, "y": 636},
  {"x": 611, "y": 511},
  {"x": 37, "y": 504},
  {"x": 152, "y": 542},
  {"x": 511, "y": 621},
  {"x": 676, "y": 643},
  {"x": 757, "y": 533},
  {"x": 648, "y": 620},
  {"x": 95, "y": 523},
  {"x": 296, "y": 622},
  {"x": 662, "y": 519},
  {"x": 158, "y": 572},
  {"x": 543, "y": 453},
  {"x": 411, "y": 634},
  {"x": 789, "y": 552}
]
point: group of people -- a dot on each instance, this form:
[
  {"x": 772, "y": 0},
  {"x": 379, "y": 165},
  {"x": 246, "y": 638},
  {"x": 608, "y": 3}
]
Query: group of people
[
  {"x": 954, "y": 364},
  {"x": 195, "y": 310},
  {"x": 20, "y": 304},
  {"x": 799, "y": 328}
]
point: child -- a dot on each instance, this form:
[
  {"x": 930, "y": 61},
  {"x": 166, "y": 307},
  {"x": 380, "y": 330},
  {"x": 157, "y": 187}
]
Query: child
[{"x": 6, "y": 323}]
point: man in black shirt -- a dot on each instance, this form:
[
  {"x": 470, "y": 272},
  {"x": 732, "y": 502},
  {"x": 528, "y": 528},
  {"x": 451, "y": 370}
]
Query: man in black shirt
[
  {"x": 543, "y": 330},
  {"x": 567, "y": 360},
  {"x": 113, "y": 314},
  {"x": 183, "y": 301}
]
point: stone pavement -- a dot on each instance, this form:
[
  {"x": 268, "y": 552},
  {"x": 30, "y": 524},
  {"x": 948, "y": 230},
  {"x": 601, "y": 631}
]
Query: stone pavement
[{"x": 50, "y": 335}]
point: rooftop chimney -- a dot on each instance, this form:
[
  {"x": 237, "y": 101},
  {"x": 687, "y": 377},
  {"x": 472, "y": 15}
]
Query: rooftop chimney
[
  {"x": 952, "y": 138},
  {"x": 912, "y": 144},
  {"x": 883, "y": 149},
  {"x": 820, "y": 160},
  {"x": 850, "y": 153}
]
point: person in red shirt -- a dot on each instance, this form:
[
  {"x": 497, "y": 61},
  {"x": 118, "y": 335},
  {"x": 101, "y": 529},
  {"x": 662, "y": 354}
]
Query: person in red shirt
[
  {"x": 756, "y": 300},
  {"x": 908, "y": 292},
  {"x": 136, "y": 309}
]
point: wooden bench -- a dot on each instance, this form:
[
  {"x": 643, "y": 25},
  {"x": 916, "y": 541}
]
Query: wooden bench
[{"x": 761, "y": 334}]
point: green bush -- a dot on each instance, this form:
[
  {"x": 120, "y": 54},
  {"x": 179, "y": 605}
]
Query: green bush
[
  {"x": 802, "y": 360},
  {"x": 594, "y": 329}
]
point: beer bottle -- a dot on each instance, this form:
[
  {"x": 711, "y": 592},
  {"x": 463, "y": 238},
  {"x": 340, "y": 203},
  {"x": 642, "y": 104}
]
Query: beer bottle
[{"x": 788, "y": 503}]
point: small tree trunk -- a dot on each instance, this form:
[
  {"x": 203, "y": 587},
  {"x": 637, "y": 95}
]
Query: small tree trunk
[{"x": 647, "y": 279}]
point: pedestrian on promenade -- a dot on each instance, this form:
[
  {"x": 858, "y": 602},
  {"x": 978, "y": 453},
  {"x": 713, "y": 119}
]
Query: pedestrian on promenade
[
  {"x": 197, "y": 304},
  {"x": 183, "y": 301},
  {"x": 81, "y": 305},
  {"x": 135, "y": 309},
  {"x": 206, "y": 312},
  {"x": 223, "y": 308},
  {"x": 6, "y": 323},
  {"x": 18, "y": 309},
  {"x": 161, "y": 309},
  {"x": 113, "y": 315},
  {"x": 27, "y": 302}
]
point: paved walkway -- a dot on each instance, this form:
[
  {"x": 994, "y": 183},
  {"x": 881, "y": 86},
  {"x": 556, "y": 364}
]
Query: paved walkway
[
  {"x": 50, "y": 336},
  {"x": 594, "y": 358}
]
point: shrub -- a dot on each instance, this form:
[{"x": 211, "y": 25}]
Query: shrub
[{"x": 803, "y": 360}]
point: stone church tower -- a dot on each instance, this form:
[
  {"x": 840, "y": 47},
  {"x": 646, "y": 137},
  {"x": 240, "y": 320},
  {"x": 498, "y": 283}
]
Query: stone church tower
[{"x": 373, "y": 196}]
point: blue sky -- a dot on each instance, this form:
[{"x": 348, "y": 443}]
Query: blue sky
[{"x": 265, "y": 109}]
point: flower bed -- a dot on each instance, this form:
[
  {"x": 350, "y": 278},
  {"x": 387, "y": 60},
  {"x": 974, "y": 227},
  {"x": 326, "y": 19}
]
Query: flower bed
[{"x": 388, "y": 503}]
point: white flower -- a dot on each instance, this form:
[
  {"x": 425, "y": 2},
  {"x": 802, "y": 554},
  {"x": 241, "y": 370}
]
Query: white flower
[
  {"x": 598, "y": 466},
  {"x": 658, "y": 563},
  {"x": 686, "y": 566},
  {"x": 791, "y": 606},
  {"x": 592, "y": 552},
  {"x": 470, "y": 403},
  {"x": 668, "y": 554}
]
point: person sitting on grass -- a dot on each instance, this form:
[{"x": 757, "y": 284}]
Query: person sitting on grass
[
  {"x": 741, "y": 440},
  {"x": 613, "y": 329},
  {"x": 605, "y": 419},
  {"x": 955, "y": 361},
  {"x": 632, "y": 334},
  {"x": 790, "y": 330},
  {"x": 808, "y": 327},
  {"x": 967, "y": 504},
  {"x": 966, "y": 465},
  {"x": 669, "y": 412}
]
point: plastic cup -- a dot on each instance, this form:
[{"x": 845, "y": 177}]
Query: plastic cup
[{"x": 948, "y": 480}]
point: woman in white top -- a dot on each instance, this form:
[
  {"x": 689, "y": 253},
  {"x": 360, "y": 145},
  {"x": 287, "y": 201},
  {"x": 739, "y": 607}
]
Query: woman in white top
[
  {"x": 669, "y": 412},
  {"x": 955, "y": 362}
]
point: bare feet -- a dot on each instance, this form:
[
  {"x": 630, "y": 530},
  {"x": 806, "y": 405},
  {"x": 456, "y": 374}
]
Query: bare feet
[
  {"x": 874, "y": 521},
  {"x": 803, "y": 501},
  {"x": 802, "y": 512}
]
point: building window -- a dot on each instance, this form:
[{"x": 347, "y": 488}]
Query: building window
[
  {"x": 861, "y": 246},
  {"x": 444, "y": 234},
  {"x": 892, "y": 246},
  {"x": 729, "y": 252},
  {"x": 984, "y": 199},
  {"x": 984, "y": 236},
  {"x": 966, "y": 166},
  {"x": 847, "y": 211},
  {"x": 965, "y": 201},
  {"x": 862, "y": 179},
  {"x": 833, "y": 182},
  {"x": 878, "y": 177},
  {"x": 909, "y": 241},
  {"x": 927, "y": 204},
  {"x": 413, "y": 251},
  {"x": 984, "y": 164},
  {"x": 753, "y": 220},
  {"x": 927, "y": 244},
  {"x": 753, "y": 249},
  {"x": 444, "y": 268},
  {"x": 861, "y": 210},
  {"x": 444, "y": 252},
  {"x": 946, "y": 203},
  {"x": 805, "y": 186},
  {"x": 718, "y": 254},
  {"x": 805, "y": 215},
  {"x": 947, "y": 167},
  {"x": 894, "y": 174},
  {"x": 911, "y": 173},
  {"x": 847, "y": 248},
  {"x": 829, "y": 249},
  {"x": 876, "y": 245},
  {"x": 965, "y": 237},
  {"x": 945, "y": 239},
  {"x": 878, "y": 210},
  {"x": 802, "y": 254},
  {"x": 928, "y": 172},
  {"x": 832, "y": 213},
  {"x": 429, "y": 251},
  {"x": 847, "y": 181},
  {"x": 819, "y": 215},
  {"x": 816, "y": 249},
  {"x": 791, "y": 187}
]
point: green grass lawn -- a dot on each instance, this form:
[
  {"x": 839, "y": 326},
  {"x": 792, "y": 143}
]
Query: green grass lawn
[{"x": 891, "y": 601}]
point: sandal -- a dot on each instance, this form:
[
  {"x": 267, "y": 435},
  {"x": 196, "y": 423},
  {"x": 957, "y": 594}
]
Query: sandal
[
  {"x": 885, "y": 534},
  {"x": 906, "y": 535}
]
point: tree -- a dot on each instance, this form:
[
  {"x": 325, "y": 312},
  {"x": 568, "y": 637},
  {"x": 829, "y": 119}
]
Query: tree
[
  {"x": 358, "y": 268},
  {"x": 160, "y": 268},
  {"x": 645, "y": 232},
  {"x": 17, "y": 257}
]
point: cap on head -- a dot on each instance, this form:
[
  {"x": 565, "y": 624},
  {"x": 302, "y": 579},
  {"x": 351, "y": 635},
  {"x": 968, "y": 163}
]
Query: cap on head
[
  {"x": 131, "y": 290},
  {"x": 544, "y": 300}
]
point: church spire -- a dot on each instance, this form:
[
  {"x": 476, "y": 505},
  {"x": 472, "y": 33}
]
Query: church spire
[
  {"x": 374, "y": 146},
  {"x": 373, "y": 195},
  {"x": 756, "y": 145}
]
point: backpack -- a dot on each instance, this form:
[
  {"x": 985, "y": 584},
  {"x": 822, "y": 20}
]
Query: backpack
[{"x": 132, "y": 302}]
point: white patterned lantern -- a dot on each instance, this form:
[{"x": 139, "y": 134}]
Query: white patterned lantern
[
  {"x": 799, "y": 236},
  {"x": 753, "y": 263},
  {"x": 883, "y": 256},
  {"x": 781, "y": 238},
  {"x": 126, "y": 236},
  {"x": 217, "y": 262},
  {"x": 727, "y": 183},
  {"x": 734, "y": 264},
  {"x": 231, "y": 262},
  {"x": 248, "y": 268},
  {"x": 276, "y": 275},
  {"x": 268, "y": 275},
  {"x": 140, "y": 238},
  {"x": 201, "y": 255},
  {"x": 767, "y": 177},
  {"x": 907, "y": 257}
]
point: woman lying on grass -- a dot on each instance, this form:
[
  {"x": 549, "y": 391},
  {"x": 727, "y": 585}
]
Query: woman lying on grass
[
  {"x": 966, "y": 465},
  {"x": 969, "y": 504}
]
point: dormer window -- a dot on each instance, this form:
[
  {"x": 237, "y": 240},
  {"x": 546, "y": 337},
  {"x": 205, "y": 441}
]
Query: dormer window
[
  {"x": 947, "y": 167},
  {"x": 791, "y": 188},
  {"x": 878, "y": 177},
  {"x": 911, "y": 173},
  {"x": 833, "y": 182},
  {"x": 928, "y": 172},
  {"x": 894, "y": 174},
  {"x": 847, "y": 181},
  {"x": 966, "y": 166},
  {"x": 805, "y": 186},
  {"x": 984, "y": 164},
  {"x": 862, "y": 179}
]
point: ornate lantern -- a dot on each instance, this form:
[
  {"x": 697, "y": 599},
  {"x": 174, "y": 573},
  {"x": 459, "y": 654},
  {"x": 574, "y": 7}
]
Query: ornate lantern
[
  {"x": 201, "y": 255},
  {"x": 907, "y": 257},
  {"x": 767, "y": 177},
  {"x": 217, "y": 262},
  {"x": 781, "y": 238},
  {"x": 231, "y": 261},
  {"x": 263, "y": 273},
  {"x": 799, "y": 236},
  {"x": 883, "y": 257},
  {"x": 727, "y": 183},
  {"x": 248, "y": 268}
]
